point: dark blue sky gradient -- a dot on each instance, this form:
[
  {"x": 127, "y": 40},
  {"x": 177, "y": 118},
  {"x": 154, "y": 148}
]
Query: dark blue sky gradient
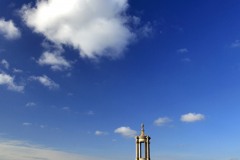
[{"x": 151, "y": 80}]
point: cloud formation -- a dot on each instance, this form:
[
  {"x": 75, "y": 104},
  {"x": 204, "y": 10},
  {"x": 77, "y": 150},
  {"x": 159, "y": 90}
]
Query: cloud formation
[
  {"x": 235, "y": 44},
  {"x": 30, "y": 104},
  {"x": 20, "y": 150},
  {"x": 45, "y": 81},
  {"x": 186, "y": 60},
  {"x": 6, "y": 79},
  {"x": 101, "y": 133},
  {"x": 95, "y": 28},
  {"x": 27, "y": 124},
  {"x": 162, "y": 121},
  {"x": 90, "y": 113},
  {"x": 66, "y": 108},
  {"x": 55, "y": 60},
  {"x": 17, "y": 70},
  {"x": 126, "y": 131},
  {"x": 5, "y": 63},
  {"x": 9, "y": 30},
  {"x": 192, "y": 117},
  {"x": 183, "y": 50}
]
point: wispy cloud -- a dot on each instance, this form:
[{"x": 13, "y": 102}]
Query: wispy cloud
[
  {"x": 30, "y": 104},
  {"x": 177, "y": 28},
  {"x": 70, "y": 94},
  {"x": 192, "y": 117},
  {"x": 11, "y": 5},
  {"x": 45, "y": 81},
  {"x": 186, "y": 60},
  {"x": 20, "y": 150},
  {"x": 146, "y": 30},
  {"x": 68, "y": 74},
  {"x": 235, "y": 44},
  {"x": 162, "y": 121},
  {"x": 5, "y": 63},
  {"x": 27, "y": 124},
  {"x": 6, "y": 79},
  {"x": 17, "y": 70},
  {"x": 9, "y": 30},
  {"x": 126, "y": 132},
  {"x": 101, "y": 133},
  {"x": 234, "y": 159},
  {"x": 66, "y": 108},
  {"x": 90, "y": 113},
  {"x": 183, "y": 50}
]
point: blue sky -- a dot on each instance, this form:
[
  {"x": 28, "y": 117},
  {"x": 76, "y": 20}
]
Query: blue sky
[{"x": 78, "y": 78}]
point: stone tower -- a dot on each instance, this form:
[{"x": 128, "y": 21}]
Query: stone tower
[{"x": 142, "y": 146}]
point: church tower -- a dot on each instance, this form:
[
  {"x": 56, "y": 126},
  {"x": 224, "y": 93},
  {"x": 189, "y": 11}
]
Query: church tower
[{"x": 142, "y": 146}]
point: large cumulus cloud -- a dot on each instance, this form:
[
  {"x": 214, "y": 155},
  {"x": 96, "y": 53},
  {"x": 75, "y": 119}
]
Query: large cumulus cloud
[{"x": 95, "y": 28}]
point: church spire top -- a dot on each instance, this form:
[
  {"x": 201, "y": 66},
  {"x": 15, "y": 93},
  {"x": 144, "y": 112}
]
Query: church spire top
[{"x": 142, "y": 131}]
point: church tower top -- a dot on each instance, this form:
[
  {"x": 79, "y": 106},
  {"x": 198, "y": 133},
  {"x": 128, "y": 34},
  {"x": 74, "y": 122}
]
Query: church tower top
[{"x": 142, "y": 146}]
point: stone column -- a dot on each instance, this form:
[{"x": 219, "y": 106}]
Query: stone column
[
  {"x": 148, "y": 148},
  {"x": 137, "y": 149}
]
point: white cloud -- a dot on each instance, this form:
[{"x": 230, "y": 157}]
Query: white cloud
[
  {"x": 6, "y": 79},
  {"x": 8, "y": 29},
  {"x": 55, "y": 60},
  {"x": 45, "y": 81},
  {"x": 70, "y": 94},
  {"x": 19, "y": 150},
  {"x": 65, "y": 108},
  {"x": 5, "y": 63},
  {"x": 183, "y": 50},
  {"x": 192, "y": 117},
  {"x": 95, "y": 28},
  {"x": 101, "y": 133},
  {"x": 30, "y": 104},
  {"x": 162, "y": 121},
  {"x": 235, "y": 44},
  {"x": 126, "y": 131},
  {"x": 17, "y": 70},
  {"x": 27, "y": 124},
  {"x": 42, "y": 126}
]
